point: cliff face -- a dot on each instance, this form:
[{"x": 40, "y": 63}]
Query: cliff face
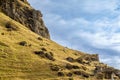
[{"x": 21, "y": 11}]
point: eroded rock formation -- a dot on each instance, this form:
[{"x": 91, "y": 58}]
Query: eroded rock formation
[{"x": 21, "y": 11}]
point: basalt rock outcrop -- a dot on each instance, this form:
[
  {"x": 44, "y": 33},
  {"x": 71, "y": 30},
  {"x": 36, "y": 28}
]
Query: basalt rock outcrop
[
  {"x": 105, "y": 72},
  {"x": 86, "y": 59},
  {"x": 21, "y": 11}
]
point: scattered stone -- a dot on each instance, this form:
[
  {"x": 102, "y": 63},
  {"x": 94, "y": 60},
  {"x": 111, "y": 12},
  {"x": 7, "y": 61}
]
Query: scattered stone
[
  {"x": 77, "y": 72},
  {"x": 79, "y": 60},
  {"x": 48, "y": 56},
  {"x": 61, "y": 74},
  {"x": 69, "y": 74},
  {"x": 84, "y": 74},
  {"x": 76, "y": 67},
  {"x": 23, "y": 43},
  {"x": 10, "y": 27},
  {"x": 39, "y": 52},
  {"x": 45, "y": 55},
  {"x": 70, "y": 59},
  {"x": 69, "y": 66},
  {"x": 87, "y": 58}
]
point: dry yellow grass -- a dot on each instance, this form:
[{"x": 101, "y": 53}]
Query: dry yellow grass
[{"x": 20, "y": 63}]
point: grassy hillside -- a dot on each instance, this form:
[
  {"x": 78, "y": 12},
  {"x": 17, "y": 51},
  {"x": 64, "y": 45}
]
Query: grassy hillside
[
  {"x": 20, "y": 61},
  {"x": 25, "y": 55}
]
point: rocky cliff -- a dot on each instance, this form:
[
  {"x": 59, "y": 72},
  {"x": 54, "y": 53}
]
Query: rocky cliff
[{"x": 21, "y": 11}]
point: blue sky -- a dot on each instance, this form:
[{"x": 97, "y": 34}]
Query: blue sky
[{"x": 92, "y": 26}]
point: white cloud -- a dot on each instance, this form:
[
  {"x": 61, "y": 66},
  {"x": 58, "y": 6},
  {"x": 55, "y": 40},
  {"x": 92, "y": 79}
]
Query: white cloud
[
  {"x": 104, "y": 30},
  {"x": 97, "y": 6},
  {"x": 112, "y": 61}
]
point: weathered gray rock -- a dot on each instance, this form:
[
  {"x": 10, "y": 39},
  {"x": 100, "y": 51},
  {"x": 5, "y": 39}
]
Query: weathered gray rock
[
  {"x": 87, "y": 58},
  {"x": 21, "y": 11}
]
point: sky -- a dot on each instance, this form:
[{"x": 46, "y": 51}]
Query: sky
[{"x": 91, "y": 26}]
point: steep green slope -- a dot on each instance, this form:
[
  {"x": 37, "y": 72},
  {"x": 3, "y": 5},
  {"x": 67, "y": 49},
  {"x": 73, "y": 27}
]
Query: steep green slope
[{"x": 25, "y": 55}]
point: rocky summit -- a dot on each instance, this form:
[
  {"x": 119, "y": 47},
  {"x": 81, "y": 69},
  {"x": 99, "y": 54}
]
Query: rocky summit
[
  {"x": 27, "y": 53},
  {"x": 21, "y": 11}
]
